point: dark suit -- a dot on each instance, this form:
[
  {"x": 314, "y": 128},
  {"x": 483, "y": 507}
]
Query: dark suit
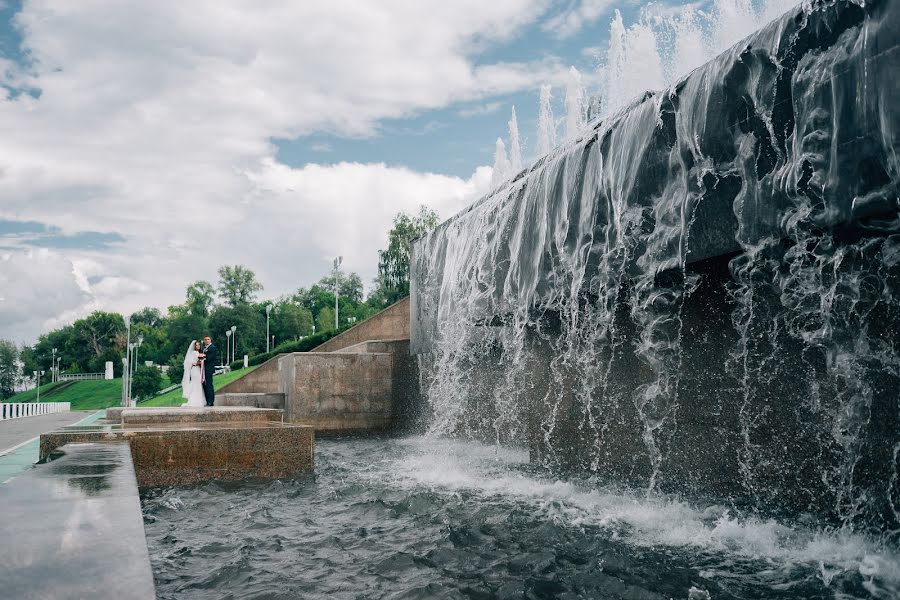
[{"x": 209, "y": 368}]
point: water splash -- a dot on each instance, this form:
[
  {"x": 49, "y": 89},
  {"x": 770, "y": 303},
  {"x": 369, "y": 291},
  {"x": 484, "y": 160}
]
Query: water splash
[
  {"x": 501, "y": 164},
  {"x": 515, "y": 148},
  {"x": 576, "y": 105},
  {"x": 546, "y": 133}
]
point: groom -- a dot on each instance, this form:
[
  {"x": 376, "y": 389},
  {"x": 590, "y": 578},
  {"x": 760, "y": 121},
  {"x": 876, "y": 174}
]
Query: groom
[{"x": 208, "y": 366}]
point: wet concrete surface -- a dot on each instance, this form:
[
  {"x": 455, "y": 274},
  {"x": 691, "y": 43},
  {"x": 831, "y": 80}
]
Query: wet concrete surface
[{"x": 72, "y": 528}]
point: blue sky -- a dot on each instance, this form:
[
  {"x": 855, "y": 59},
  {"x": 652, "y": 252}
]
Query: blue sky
[{"x": 147, "y": 143}]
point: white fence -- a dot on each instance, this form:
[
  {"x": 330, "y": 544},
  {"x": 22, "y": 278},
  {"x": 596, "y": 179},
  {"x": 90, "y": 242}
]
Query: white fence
[
  {"x": 14, "y": 410},
  {"x": 81, "y": 376}
]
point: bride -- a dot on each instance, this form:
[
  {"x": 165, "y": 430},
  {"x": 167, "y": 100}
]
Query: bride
[{"x": 191, "y": 384}]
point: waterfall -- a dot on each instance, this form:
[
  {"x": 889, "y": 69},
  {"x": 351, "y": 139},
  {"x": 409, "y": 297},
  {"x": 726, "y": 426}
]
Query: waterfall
[
  {"x": 515, "y": 149},
  {"x": 546, "y": 123},
  {"x": 702, "y": 292}
]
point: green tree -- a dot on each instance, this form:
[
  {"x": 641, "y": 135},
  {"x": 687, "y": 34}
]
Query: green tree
[
  {"x": 251, "y": 329},
  {"x": 10, "y": 372},
  {"x": 237, "y": 285},
  {"x": 201, "y": 295},
  {"x": 392, "y": 283},
  {"x": 325, "y": 320},
  {"x": 181, "y": 328},
  {"x": 147, "y": 381},
  {"x": 290, "y": 321},
  {"x": 349, "y": 286}
]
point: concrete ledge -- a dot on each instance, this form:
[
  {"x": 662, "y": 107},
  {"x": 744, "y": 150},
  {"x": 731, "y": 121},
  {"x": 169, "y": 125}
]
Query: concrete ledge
[
  {"x": 72, "y": 528},
  {"x": 251, "y": 400},
  {"x": 136, "y": 417},
  {"x": 188, "y": 454}
]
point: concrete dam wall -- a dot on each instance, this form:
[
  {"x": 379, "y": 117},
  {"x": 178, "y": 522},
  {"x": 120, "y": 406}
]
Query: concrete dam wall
[{"x": 702, "y": 293}]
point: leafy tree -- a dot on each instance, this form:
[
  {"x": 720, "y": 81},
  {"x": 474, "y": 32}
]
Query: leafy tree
[
  {"x": 237, "y": 285},
  {"x": 146, "y": 382},
  {"x": 290, "y": 322},
  {"x": 349, "y": 286},
  {"x": 10, "y": 372},
  {"x": 149, "y": 316},
  {"x": 181, "y": 328},
  {"x": 176, "y": 368},
  {"x": 325, "y": 320},
  {"x": 251, "y": 329},
  {"x": 392, "y": 283},
  {"x": 201, "y": 296}
]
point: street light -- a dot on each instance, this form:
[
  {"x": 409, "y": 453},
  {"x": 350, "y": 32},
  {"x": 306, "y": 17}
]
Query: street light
[
  {"x": 268, "y": 310},
  {"x": 126, "y": 372},
  {"x": 58, "y": 360},
  {"x": 337, "y": 265},
  {"x": 53, "y": 367},
  {"x": 37, "y": 383},
  {"x": 228, "y": 346},
  {"x": 233, "y": 343}
]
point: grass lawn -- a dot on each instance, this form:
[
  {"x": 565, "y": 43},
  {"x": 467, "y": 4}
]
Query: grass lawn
[
  {"x": 174, "y": 398},
  {"x": 84, "y": 395}
]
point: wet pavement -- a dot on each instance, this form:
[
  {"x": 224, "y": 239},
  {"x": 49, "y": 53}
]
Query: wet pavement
[{"x": 75, "y": 528}]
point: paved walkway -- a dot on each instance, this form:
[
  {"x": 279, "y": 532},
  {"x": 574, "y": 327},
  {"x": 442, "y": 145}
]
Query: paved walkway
[{"x": 19, "y": 438}]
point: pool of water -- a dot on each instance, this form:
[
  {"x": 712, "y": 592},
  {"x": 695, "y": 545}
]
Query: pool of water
[{"x": 423, "y": 518}]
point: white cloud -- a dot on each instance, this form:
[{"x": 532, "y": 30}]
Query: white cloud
[
  {"x": 154, "y": 122},
  {"x": 480, "y": 110},
  {"x": 577, "y": 15}
]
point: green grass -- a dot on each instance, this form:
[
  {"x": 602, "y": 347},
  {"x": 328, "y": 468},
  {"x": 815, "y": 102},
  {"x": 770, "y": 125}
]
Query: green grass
[
  {"x": 174, "y": 397},
  {"x": 31, "y": 395},
  {"x": 84, "y": 395}
]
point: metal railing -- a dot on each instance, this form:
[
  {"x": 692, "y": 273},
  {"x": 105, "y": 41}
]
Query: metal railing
[
  {"x": 81, "y": 376},
  {"x": 15, "y": 410}
]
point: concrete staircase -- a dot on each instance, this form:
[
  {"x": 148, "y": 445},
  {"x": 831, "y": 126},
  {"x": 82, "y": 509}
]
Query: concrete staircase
[{"x": 361, "y": 380}]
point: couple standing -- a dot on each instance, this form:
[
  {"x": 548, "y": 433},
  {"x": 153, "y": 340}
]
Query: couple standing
[{"x": 197, "y": 381}]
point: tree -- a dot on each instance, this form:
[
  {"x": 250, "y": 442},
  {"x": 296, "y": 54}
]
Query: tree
[
  {"x": 10, "y": 370},
  {"x": 181, "y": 329},
  {"x": 201, "y": 296},
  {"x": 392, "y": 283},
  {"x": 290, "y": 321},
  {"x": 251, "y": 329},
  {"x": 325, "y": 320},
  {"x": 349, "y": 286},
  {"x": 238, "y": 285},
  {"x": 146, "y": 381}
]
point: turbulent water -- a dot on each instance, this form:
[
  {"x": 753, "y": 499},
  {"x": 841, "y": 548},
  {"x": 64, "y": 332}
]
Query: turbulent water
[{"x": 419, "y": 518}]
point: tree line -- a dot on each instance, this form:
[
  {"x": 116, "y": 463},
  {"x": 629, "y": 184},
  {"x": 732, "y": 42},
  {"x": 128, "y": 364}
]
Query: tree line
[{"x": 85, "y": 345}]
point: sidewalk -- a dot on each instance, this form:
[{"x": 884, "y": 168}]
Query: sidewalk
[{"x": 19, "y": 438}]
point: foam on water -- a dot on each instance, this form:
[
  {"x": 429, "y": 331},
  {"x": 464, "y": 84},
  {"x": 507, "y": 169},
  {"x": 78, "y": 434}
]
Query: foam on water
[{"x": 451, "y": 466}]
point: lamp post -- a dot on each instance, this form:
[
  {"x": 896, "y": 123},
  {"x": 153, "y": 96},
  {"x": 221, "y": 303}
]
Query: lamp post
[
  {"x": 58, "y": 360},
  {"x": 337, "y": 265},
  {"x": 37, "y": 382},
  {"x": 233, "y": 343},
  {"x": 53, "y": 367},
  {"x": 268, "y": 311},
  {"x": 228, "y": 346},
  {"x": 126, "y": 372}
]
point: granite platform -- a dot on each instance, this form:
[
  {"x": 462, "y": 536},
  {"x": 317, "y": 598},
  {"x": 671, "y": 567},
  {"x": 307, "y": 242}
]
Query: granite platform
[
  {"x": 182, "y": 446},
  {"x": 73, "y": 528}
]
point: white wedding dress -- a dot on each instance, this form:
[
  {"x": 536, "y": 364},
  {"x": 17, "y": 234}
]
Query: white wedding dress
[{"x": 191, "y": 383}]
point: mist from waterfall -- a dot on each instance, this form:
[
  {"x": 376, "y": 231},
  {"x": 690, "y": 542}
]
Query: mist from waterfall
[
  {"x": 576, "y": 105},
  {"x": 501, "y": 164},
  {"x": 546, "y": 134}
]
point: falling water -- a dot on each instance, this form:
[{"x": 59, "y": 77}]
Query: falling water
[{"x": 703, "y": 294}]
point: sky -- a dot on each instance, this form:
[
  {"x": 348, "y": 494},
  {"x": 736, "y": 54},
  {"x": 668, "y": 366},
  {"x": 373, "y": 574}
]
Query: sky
[{"x": 145, "y": 144}]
